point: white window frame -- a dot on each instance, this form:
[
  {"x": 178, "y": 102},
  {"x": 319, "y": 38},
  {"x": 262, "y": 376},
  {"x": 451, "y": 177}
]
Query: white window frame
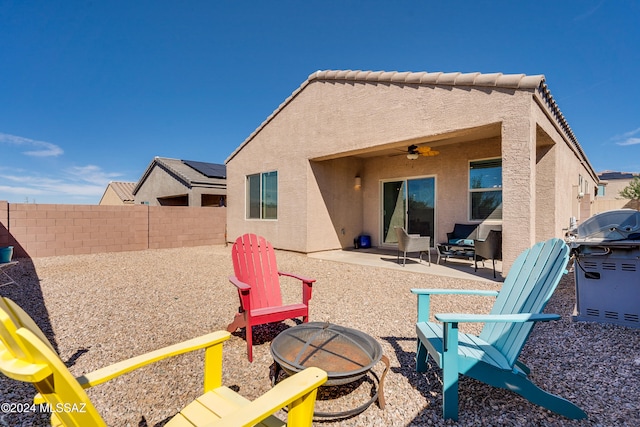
[
  {"x": 471, "y": 191},
  {"x": 261, "y": 208}
]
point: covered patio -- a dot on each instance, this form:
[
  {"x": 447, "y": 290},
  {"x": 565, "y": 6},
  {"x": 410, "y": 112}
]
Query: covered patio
[{"x": 359, "y": 152}]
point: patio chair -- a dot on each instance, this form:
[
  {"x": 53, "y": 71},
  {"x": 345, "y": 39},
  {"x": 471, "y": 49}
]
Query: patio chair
[
  {"x": 492, "y": 357},
  {"x": 412, "y": 243},
  {"x": 26, "y": 355},
  {"x": 489, "y": 248},
  {"x": 258, "y": 281}
]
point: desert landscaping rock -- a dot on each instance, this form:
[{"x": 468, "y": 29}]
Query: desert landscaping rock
[{"x": 102, "y": 308}]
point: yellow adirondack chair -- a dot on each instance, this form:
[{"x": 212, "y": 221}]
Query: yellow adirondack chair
[{"x": 26, "y": 355}]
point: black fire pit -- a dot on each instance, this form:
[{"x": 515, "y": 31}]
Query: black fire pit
[{"x": 345, "y": 354}]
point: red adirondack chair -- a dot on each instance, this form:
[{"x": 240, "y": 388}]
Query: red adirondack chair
[{"x": 258, "y": 283}]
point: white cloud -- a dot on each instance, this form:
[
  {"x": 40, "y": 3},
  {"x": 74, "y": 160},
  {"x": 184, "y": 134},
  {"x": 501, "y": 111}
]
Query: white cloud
[
  {"x": 20, "y": 191},
  {"x": 589, "y": 12},
  {"x": 39, "y": 148},
  {"x": 627, "y": 138},
  {"x": 77, "y": 181},
  {"x": 92, "y": 174},
  {"x": 633, "y": 132},
  {"x": 630, "y": 141}
]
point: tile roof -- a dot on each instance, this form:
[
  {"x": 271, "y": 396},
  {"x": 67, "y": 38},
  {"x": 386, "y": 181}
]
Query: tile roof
[
  {"x": 124, "y": 190},
  {"x": 534, "y": 83},
  {"x": 184, "y": 173},
  {"x": 514, "y": 81}
]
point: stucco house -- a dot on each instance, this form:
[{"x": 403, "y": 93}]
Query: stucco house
[
  {"x": 610, "y": 185},
  {"x": 173, "y": 182},
  {"x": 118, "y": 193},
  {"x": 352, "y": 152}
]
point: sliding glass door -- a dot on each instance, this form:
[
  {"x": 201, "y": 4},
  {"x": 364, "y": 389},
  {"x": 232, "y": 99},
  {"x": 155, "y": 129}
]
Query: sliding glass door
[{"x": 408, "y": 203}]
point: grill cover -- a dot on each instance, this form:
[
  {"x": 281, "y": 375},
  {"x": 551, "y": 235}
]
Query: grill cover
[
  {"x": 613, "y": 228},
  {"x": 607, "y": 271}
]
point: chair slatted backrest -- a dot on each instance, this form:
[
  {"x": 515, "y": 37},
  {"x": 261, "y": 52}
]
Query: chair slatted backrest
[
  {"x": 254, "y": 263},
  {"x": 527, "y": 288},
  {"x": 19, "y": 318},
  {"x": 25, "y": 356}
]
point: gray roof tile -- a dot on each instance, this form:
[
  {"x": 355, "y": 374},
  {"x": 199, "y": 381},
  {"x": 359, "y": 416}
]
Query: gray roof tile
[{"x": 124, "y": 190}]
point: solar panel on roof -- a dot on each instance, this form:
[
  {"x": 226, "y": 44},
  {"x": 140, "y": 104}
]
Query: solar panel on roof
[
  {"x": 615, "y": 175},
  {"x": 210, "y": 170}
]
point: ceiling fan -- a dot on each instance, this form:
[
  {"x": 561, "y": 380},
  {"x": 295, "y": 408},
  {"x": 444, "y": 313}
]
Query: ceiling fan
[{"x": 414, "y": 151}]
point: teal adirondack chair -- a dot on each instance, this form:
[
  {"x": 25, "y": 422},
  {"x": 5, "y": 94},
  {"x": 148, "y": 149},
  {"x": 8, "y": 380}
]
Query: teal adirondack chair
[{"x": 492, "y": 357}]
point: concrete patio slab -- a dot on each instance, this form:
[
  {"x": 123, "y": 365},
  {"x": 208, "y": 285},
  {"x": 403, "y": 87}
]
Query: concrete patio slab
[{"x": 387, "y": 258}]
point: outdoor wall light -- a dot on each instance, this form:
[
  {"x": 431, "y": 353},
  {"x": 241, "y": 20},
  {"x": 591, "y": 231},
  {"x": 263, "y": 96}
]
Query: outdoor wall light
[{"x": 358, "y": 182}]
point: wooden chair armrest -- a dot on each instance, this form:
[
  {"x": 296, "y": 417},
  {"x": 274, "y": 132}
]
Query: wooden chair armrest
[
  {"x": 424, "y": 296},
  {"x": 307, "y": 285},
  {"x": 239, "y": 284},
  {"x": 479, "y": 292},
  {"x": 297, "y": 391},
  {"x": 495, "y": 318},
  {"x": 107, "y": 373},
  {"x": 296, "y": 276}
]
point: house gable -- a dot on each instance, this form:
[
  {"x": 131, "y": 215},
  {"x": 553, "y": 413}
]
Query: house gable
[{"x": 181, "y": 182}]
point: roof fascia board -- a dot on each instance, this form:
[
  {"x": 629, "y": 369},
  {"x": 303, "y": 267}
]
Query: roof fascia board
[{"x": 144, "y": 176}]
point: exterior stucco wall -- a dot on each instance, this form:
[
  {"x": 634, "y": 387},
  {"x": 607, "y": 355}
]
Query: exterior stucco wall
[
  {"x": 611, "y": 199},
  {"x": 357, "y": 116},
  {"x": 335, "y": 204},
  {"x": 331, "y": 119},
  {"x": 157, "y": 185},
  {"x": 546, "y": 186},
  {"x": 110, "y": 198},
  {"x": 558, "y": 161},
  {"x": 279, "y": 148},
  {"x": 613, "y": 188},
  {"x": 329, "y": 132},
  {"x": 451, "y": 172},
  {"x": 160, "y": 184}
]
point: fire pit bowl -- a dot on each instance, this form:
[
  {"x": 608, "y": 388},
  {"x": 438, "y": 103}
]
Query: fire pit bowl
[{"x": 345, "y": 354}]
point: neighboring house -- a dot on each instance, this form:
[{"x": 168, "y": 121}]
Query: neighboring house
[
  {"x": 172, "y": 182},
  {"x": 336, "y": 159},
  {"x": 118, "y": 193},
  {"x": 611, "y": 183}
]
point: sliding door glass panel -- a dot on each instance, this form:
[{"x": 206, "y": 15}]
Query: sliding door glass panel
[
  {"x": 421, "y": 206},
  {"x": 393, "y": 209}
]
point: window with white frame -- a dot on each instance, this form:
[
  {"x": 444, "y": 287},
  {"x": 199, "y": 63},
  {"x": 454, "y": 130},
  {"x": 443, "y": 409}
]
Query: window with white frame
[
  {"x": 262, "y": 195},
  {"x": 601, "y": 190},
  {"x": 485, "y": 189}
]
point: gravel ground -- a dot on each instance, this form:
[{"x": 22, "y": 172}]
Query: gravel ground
[{"x": 102, "y": 308}]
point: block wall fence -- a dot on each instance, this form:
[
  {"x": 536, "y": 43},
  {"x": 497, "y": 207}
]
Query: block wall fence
[{"x": 41, "y": 230}]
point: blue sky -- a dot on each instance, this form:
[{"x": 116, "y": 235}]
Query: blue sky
[{"x": 91, "y": 91}]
